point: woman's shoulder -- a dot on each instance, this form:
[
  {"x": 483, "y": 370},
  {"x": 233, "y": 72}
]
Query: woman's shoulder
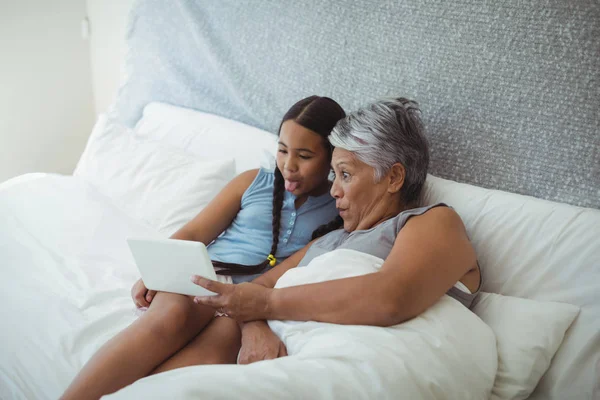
[
  {"x": 437, "y": 211},
  {"x": 435, "y": 218}
]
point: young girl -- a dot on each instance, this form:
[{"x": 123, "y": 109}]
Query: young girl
[{"x": 259, "y": 219}]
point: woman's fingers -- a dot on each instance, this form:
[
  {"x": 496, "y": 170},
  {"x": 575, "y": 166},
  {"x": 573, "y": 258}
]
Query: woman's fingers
[
  {"x": 242, "y": 302},
  {"x": 245, "y": 357},
  {"x": 252, "y": 356},
  {"x": 213, "y": 286},
  {"x": 282, "y": 350},
  {"x": 215, "y": 302}
]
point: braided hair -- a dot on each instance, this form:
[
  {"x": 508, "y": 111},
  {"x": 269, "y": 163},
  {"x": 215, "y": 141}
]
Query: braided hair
[
  {"x": 319, "y": 114},
  {"x": 331, "y": 226}
]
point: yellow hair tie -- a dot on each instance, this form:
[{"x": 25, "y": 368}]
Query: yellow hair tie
[{"x": 272, "y": 260}]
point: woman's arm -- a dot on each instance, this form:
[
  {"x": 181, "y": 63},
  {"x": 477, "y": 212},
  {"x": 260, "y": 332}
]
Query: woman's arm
[
  {"x": 219, "y": 213},
  {"x": 431, "y": 253},
  {"x": 258, "y": 341}
]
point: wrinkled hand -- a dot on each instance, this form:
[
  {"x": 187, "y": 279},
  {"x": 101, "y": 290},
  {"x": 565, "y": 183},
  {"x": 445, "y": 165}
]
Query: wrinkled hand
[
  {"x": 259, "y": 343},
  {"x": 242, "y": 302},
  {"x": 142, "y": 297}
]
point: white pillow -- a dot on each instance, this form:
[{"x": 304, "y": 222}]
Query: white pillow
[
  {"x": 161, "y": 186},
  {"x": 207, "y": 135},
  {"x": 540, "y": 250},
  {"x": 528, "y": 334}
]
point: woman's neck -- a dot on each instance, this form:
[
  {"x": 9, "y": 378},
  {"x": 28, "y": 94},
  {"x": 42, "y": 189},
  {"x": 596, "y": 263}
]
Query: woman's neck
[{"x": 392, "y": 209}]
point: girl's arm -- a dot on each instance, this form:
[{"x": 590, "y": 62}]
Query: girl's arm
[
  {"x": 219, "y": 213},
  {"x": 206, "y": 226},
  {"x": 431, "y": 253}
]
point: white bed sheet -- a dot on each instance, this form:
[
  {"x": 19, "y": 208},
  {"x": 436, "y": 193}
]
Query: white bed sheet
[
  {"x": 66, "y": 276},
  {"x": 66, "y": 290}
]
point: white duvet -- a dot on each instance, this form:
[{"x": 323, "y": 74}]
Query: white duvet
[{"x": 66, "y": 274}]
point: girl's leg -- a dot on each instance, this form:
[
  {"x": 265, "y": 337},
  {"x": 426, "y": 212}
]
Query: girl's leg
[
  {"x": 169, "y": 324},
  {"x": 218, "y": 343}
]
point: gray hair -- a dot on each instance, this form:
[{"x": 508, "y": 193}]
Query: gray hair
[{"x": 384, "y": 133}]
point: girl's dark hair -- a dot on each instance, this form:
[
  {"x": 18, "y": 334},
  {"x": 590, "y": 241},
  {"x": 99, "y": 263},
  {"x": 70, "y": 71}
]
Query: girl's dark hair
[
  {"x": 319, "y": 114},
  {"x": 324, "y": 229}
]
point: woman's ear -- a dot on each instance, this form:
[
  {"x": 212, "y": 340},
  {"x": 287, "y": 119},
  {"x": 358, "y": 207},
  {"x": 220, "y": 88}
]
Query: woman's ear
[{"x": 396, "y": 178}]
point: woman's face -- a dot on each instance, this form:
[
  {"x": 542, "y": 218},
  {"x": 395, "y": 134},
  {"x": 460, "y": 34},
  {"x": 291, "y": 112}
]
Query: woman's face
[
  {"x": 362, "y": 203},
  {"x": 303, "y": 160}
]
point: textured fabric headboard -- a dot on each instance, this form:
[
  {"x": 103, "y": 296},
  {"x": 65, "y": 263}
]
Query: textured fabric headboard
[{"x": 509, "y": 89}]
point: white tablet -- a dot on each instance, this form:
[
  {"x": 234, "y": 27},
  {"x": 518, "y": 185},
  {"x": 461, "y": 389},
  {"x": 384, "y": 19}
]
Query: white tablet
[{"x": 167, "y": 265}]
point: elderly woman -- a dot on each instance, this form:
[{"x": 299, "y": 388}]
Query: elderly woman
[{"x": 380, "y": 164}]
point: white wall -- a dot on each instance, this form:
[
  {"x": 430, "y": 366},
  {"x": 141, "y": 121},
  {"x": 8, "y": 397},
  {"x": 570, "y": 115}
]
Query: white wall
[
  {"x": 108, "y": 21},
  {"x": 46, "y": 101}
]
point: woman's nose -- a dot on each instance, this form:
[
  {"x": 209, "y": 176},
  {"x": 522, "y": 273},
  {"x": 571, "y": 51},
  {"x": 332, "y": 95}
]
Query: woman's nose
[{"x": 335, "y": 190}]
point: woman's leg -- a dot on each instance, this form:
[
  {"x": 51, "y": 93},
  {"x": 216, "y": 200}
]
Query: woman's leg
[
  {"x": 169, "y": 324},
  {"x": 218, "y": 343}
]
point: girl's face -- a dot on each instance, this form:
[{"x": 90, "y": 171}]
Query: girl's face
[{"x": 303, "y": 160}]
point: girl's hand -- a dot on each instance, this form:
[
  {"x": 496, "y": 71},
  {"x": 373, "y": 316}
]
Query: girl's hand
[
  {"x": 259, "y": 343},
  {"x": 242, "y": 302},
  {"x": 142, "y": 297}
]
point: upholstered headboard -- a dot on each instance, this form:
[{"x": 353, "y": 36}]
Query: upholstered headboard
[{"x": 509, "y": 89}]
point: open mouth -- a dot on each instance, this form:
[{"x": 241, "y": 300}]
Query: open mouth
[{"x": 290, "y": 186}]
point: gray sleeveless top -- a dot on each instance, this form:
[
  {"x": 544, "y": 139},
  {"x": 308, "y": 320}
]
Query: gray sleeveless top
[{"x": 377, "y": 241}]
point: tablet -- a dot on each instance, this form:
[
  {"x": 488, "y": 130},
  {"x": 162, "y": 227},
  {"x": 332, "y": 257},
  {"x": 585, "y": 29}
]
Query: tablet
[{"x": 166, "y": 265}]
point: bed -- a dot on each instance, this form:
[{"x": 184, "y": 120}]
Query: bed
[{"x": 510, "y": 97}]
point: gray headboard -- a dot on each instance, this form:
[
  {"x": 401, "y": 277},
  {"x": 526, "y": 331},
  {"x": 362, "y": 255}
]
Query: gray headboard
[{"x": 509, "y": 89}]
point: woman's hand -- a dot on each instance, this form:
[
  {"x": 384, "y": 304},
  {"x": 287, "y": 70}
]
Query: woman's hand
[
  {"x": 142, "y": 297},
  {"x": 259, "y": 343},
  {"x": 242, "y": 302}
]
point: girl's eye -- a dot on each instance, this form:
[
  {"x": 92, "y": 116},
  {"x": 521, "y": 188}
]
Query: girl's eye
[
  {"x": 305, "y": 157},
  {"x": 283, "y": 151}
]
